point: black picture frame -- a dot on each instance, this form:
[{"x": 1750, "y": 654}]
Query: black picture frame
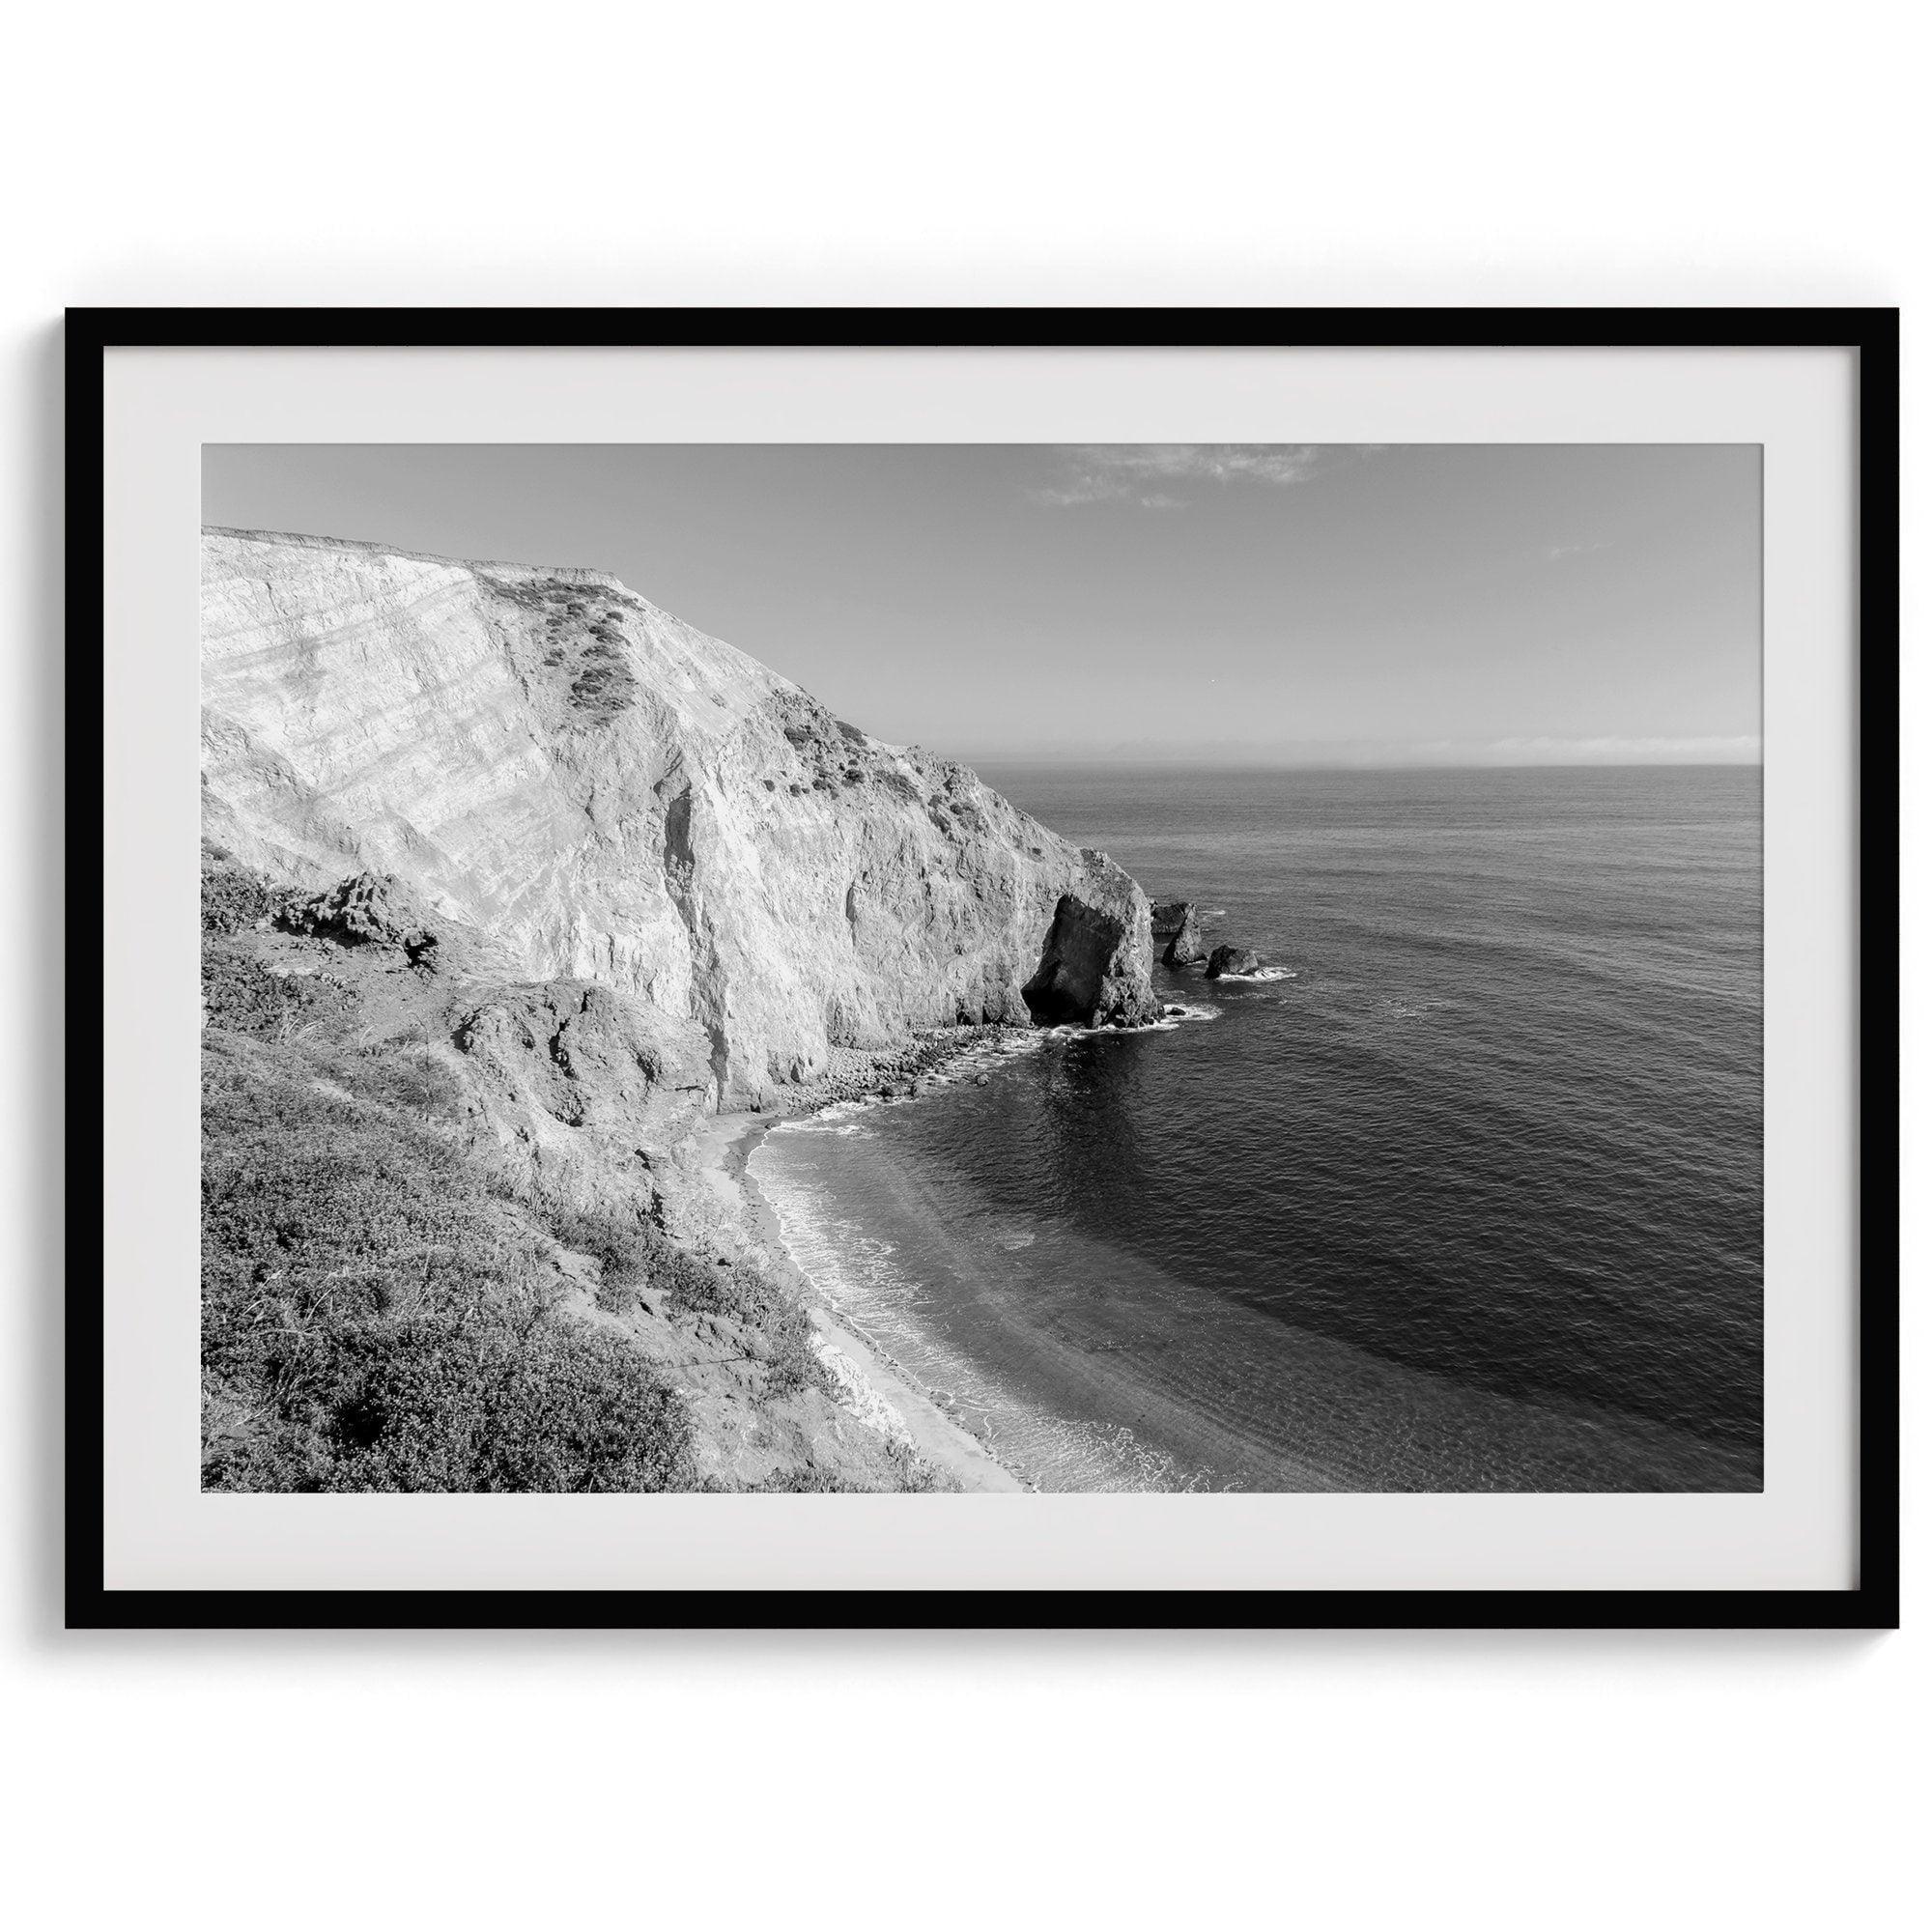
[{"x": 1872, "y": 333}]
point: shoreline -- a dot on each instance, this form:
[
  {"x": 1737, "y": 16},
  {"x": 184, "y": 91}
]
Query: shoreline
[
  {"x": 1072, "y": 1379},
  {"x": 873, "y": 1388}
]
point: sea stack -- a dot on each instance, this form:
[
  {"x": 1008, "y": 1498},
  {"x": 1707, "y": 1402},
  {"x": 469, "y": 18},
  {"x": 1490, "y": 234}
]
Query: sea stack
[
  {"x": 1226, "y": 959},
  {"x": 1184, "y": 945}
]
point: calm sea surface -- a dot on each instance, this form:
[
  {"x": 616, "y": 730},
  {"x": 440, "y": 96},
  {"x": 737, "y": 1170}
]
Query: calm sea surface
[{"x": 1473, "y": 1201}]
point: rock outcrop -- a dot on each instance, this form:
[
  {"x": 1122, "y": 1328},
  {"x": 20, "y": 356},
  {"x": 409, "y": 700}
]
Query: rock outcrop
[
  {"x": 1184, "y": 944},
  {"x": 578, "y": 788},
  {"x": 1095, "y": 969},
  {"x": 369, "y": 909},
  {"x": 1226, "y": 959}
]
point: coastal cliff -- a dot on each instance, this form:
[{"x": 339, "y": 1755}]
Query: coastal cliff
[
  {"x": 599, "y": 792},
  {"x": 512, "y": 882}
]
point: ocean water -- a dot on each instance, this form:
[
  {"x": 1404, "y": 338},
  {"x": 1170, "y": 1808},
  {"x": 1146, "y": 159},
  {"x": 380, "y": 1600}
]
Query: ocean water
[{"x": 1472, "y": 1201}]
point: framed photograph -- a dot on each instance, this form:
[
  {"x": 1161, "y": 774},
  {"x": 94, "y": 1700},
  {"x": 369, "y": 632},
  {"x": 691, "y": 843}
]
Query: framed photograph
[{"x": 1012, "y": 966}]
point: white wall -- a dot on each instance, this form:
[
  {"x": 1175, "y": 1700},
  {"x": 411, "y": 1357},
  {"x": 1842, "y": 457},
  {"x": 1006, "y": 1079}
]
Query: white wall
[{"x": 1118, "y": 153}]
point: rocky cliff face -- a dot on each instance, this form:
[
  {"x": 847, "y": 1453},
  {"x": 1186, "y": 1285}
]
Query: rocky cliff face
[
  {"x": 598, "y": 793},
  {"x": 1094, "y": 968}
]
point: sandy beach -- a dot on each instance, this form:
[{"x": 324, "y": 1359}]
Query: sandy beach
[{"x": 870, "y": 1386}]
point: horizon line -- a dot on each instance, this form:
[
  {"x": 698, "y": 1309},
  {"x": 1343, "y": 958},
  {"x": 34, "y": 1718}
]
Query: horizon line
[{"x": 1262, "y": 761}]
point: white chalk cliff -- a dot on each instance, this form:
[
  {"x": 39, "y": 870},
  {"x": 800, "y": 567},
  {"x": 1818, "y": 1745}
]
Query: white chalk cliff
[{"x": 597, "y": 792}]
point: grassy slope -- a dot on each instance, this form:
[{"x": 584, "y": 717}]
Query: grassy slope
[{"x": 386, "y": 1307}]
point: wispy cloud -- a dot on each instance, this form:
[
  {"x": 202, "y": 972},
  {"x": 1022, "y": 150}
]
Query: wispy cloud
[
  {"x": 1150, "y": 474},
  {"x": 1555, "y": 553}
]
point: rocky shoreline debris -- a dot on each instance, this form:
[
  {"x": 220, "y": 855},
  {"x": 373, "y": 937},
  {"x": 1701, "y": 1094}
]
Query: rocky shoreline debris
[{"x": 892, "y": 1073}]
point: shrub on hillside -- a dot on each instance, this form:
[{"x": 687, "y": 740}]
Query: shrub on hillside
[
  {"x": 239, "y": 995},
  {"x": 632, "y": 1253},
  {"x": 462, "y": 1404},
  {"x": 233, "y": 897}
]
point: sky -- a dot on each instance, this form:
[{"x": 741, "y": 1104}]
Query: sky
[{"x": 1256, "y": 603}]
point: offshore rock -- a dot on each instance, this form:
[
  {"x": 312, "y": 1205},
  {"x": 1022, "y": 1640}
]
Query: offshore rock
[
  {"x": 1184, "y": 945},
  {"x": 1226, "y": 959},
  {"x": 1168, "y": 918},
  {"x": 576, "y": 786}
]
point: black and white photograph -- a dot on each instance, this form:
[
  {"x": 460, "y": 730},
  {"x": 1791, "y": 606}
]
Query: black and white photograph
[
  {"x": 963, "y": 968},
  {"x": 1023, "y": 968}
]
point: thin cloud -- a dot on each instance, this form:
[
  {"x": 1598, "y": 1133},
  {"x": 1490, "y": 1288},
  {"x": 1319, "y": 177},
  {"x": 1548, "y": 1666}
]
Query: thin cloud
[
  {"x": 1555, "y": 553},
  {"x": 1149, "y": 473}
]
